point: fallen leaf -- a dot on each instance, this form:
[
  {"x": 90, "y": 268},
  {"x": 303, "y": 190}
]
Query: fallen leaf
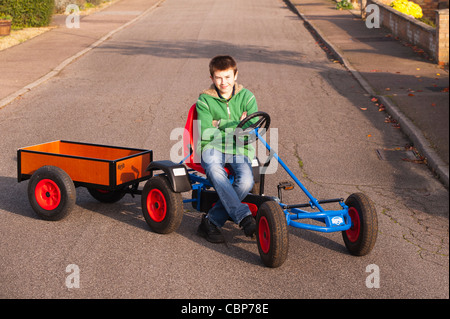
[
  {"x": 433, "y": 104},
  {"x": 389, "y": 119},
  {"x": 363, "y": 108},
  {"x": 418, "y": 69},
  {"x": 374, "y": 99},
  {"x": 410, "y": 94},
  {"x": 418, "y": 161},
  {"x": 387, "y": 89}
]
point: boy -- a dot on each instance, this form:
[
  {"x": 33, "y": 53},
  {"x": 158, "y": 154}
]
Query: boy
[{"x": 219, "y": 110}]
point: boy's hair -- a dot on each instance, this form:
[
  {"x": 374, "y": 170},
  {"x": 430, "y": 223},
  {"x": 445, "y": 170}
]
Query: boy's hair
[{"x": 222, "y": 63}]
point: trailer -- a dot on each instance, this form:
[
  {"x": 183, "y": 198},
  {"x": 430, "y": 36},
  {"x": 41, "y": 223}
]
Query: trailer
[{"x": 55, "y": 169}]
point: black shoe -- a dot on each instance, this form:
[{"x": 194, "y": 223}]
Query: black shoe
[
  {"x": 249, "y": 226},
  {"x": 210, "y": 231}
]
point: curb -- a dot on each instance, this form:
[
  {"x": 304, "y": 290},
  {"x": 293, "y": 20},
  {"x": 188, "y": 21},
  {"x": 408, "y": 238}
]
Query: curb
[
  {"x": 434, "y": 162},
  {"x": 5, "y": 101}
]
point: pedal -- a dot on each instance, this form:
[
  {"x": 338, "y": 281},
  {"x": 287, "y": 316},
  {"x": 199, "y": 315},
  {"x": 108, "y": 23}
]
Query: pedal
[{"x": 286, "y": 185}]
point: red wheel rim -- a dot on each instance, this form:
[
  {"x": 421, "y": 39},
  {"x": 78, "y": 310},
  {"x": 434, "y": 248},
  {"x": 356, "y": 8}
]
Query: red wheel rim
[
  {"x": 264, "y": 234},
  {"x": 156, "y": 205},
  {"x": 353, "y": 232},
  {"x": 48, "y": 194}
]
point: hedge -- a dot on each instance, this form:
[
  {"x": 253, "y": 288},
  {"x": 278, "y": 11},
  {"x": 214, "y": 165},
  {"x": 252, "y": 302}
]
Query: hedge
[
  {"x": 60, "y": 5},
  {"x": 28, "y": 13}
]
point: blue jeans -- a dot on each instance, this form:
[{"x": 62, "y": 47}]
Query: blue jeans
[{"x": 231, "y": 195}]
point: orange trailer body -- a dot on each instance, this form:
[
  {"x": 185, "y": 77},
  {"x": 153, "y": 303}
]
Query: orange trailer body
[{"x": 90, "y": 165}]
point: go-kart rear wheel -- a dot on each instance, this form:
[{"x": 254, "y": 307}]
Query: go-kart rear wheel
[
  {"x": 161, "y": 206},
  {"x": 105, "y": 196},
  {"x": 51, "y": 193},
  {"x": 361, "y": 237},
  {"x": 272, "y": 234}
]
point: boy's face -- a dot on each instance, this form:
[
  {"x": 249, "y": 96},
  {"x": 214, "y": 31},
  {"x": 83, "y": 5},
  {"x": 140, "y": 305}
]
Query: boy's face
[{"x": 224, "y": 81}]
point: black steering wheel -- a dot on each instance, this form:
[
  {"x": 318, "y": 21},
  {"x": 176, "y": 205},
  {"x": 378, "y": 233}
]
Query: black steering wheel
[{"x": 261, "y": 125}]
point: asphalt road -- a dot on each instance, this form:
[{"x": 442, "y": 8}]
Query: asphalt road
[{"x": 135, "y": 89}]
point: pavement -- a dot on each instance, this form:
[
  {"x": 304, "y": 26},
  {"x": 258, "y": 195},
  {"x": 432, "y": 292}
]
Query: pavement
[{"x": 412, "y": 90}]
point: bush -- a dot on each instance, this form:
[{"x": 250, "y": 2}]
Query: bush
[
  {"x": 28, "y": 13},
  {"x": 407, "y": 7},
  {"x": 60, "y": 5},
  {"x": 344, "y": 5},
  {"x": 95, "y": 2}
]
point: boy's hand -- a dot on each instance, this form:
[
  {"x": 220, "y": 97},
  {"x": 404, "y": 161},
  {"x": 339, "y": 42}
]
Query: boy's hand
[{"x": 216, "y": 123}]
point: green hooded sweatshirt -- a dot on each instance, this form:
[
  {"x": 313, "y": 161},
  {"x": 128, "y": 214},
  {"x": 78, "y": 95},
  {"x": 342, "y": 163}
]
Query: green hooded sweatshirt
[{"x": 210, "y": 106}]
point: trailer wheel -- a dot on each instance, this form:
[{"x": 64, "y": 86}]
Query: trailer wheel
[
  {"x": 51, "y": 193},
  {"x": 361, "y": 237},
  {"x": 105, "y": 196},
  {"x": 161, "y": 206},
  {"x": 272, "y": 234}
]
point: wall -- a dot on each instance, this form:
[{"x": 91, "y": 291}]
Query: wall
[
  {"x": 429, "y": 7},
  {"x": 434, "y": 41}
]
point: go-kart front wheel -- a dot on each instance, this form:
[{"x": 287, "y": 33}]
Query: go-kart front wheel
[
  {"x": 361, "y": 237},
  {"x": 161, "y": 206},
  {"x": 272, "y": 234}
]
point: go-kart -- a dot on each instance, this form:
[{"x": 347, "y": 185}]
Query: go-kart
[{"x": 356, "y": 217}]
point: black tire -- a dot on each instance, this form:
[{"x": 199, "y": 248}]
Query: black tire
[
  {"x": 106, "y": 196},
  {"x": 272, "y": 234},
  {"x": 207, "y": 199},
  {"x": 361, "y": 237},
  {"x": 161, "y": 206},
  {"x": 51, "y": 193}
]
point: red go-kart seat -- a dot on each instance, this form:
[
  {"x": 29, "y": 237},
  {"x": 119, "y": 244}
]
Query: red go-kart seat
[{"x": 193, "y": 161}]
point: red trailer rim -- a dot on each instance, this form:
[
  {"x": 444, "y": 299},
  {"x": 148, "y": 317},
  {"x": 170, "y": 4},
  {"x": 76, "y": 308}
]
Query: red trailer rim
[
  {"x": 48, "y": 194},
  {"x": 156, "y": 205},
  {"x": 264, "y": 234},
  {"x": 353, "y": 232}
]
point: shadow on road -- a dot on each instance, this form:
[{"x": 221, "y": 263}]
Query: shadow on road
[{"x": 195, "y": 49}]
